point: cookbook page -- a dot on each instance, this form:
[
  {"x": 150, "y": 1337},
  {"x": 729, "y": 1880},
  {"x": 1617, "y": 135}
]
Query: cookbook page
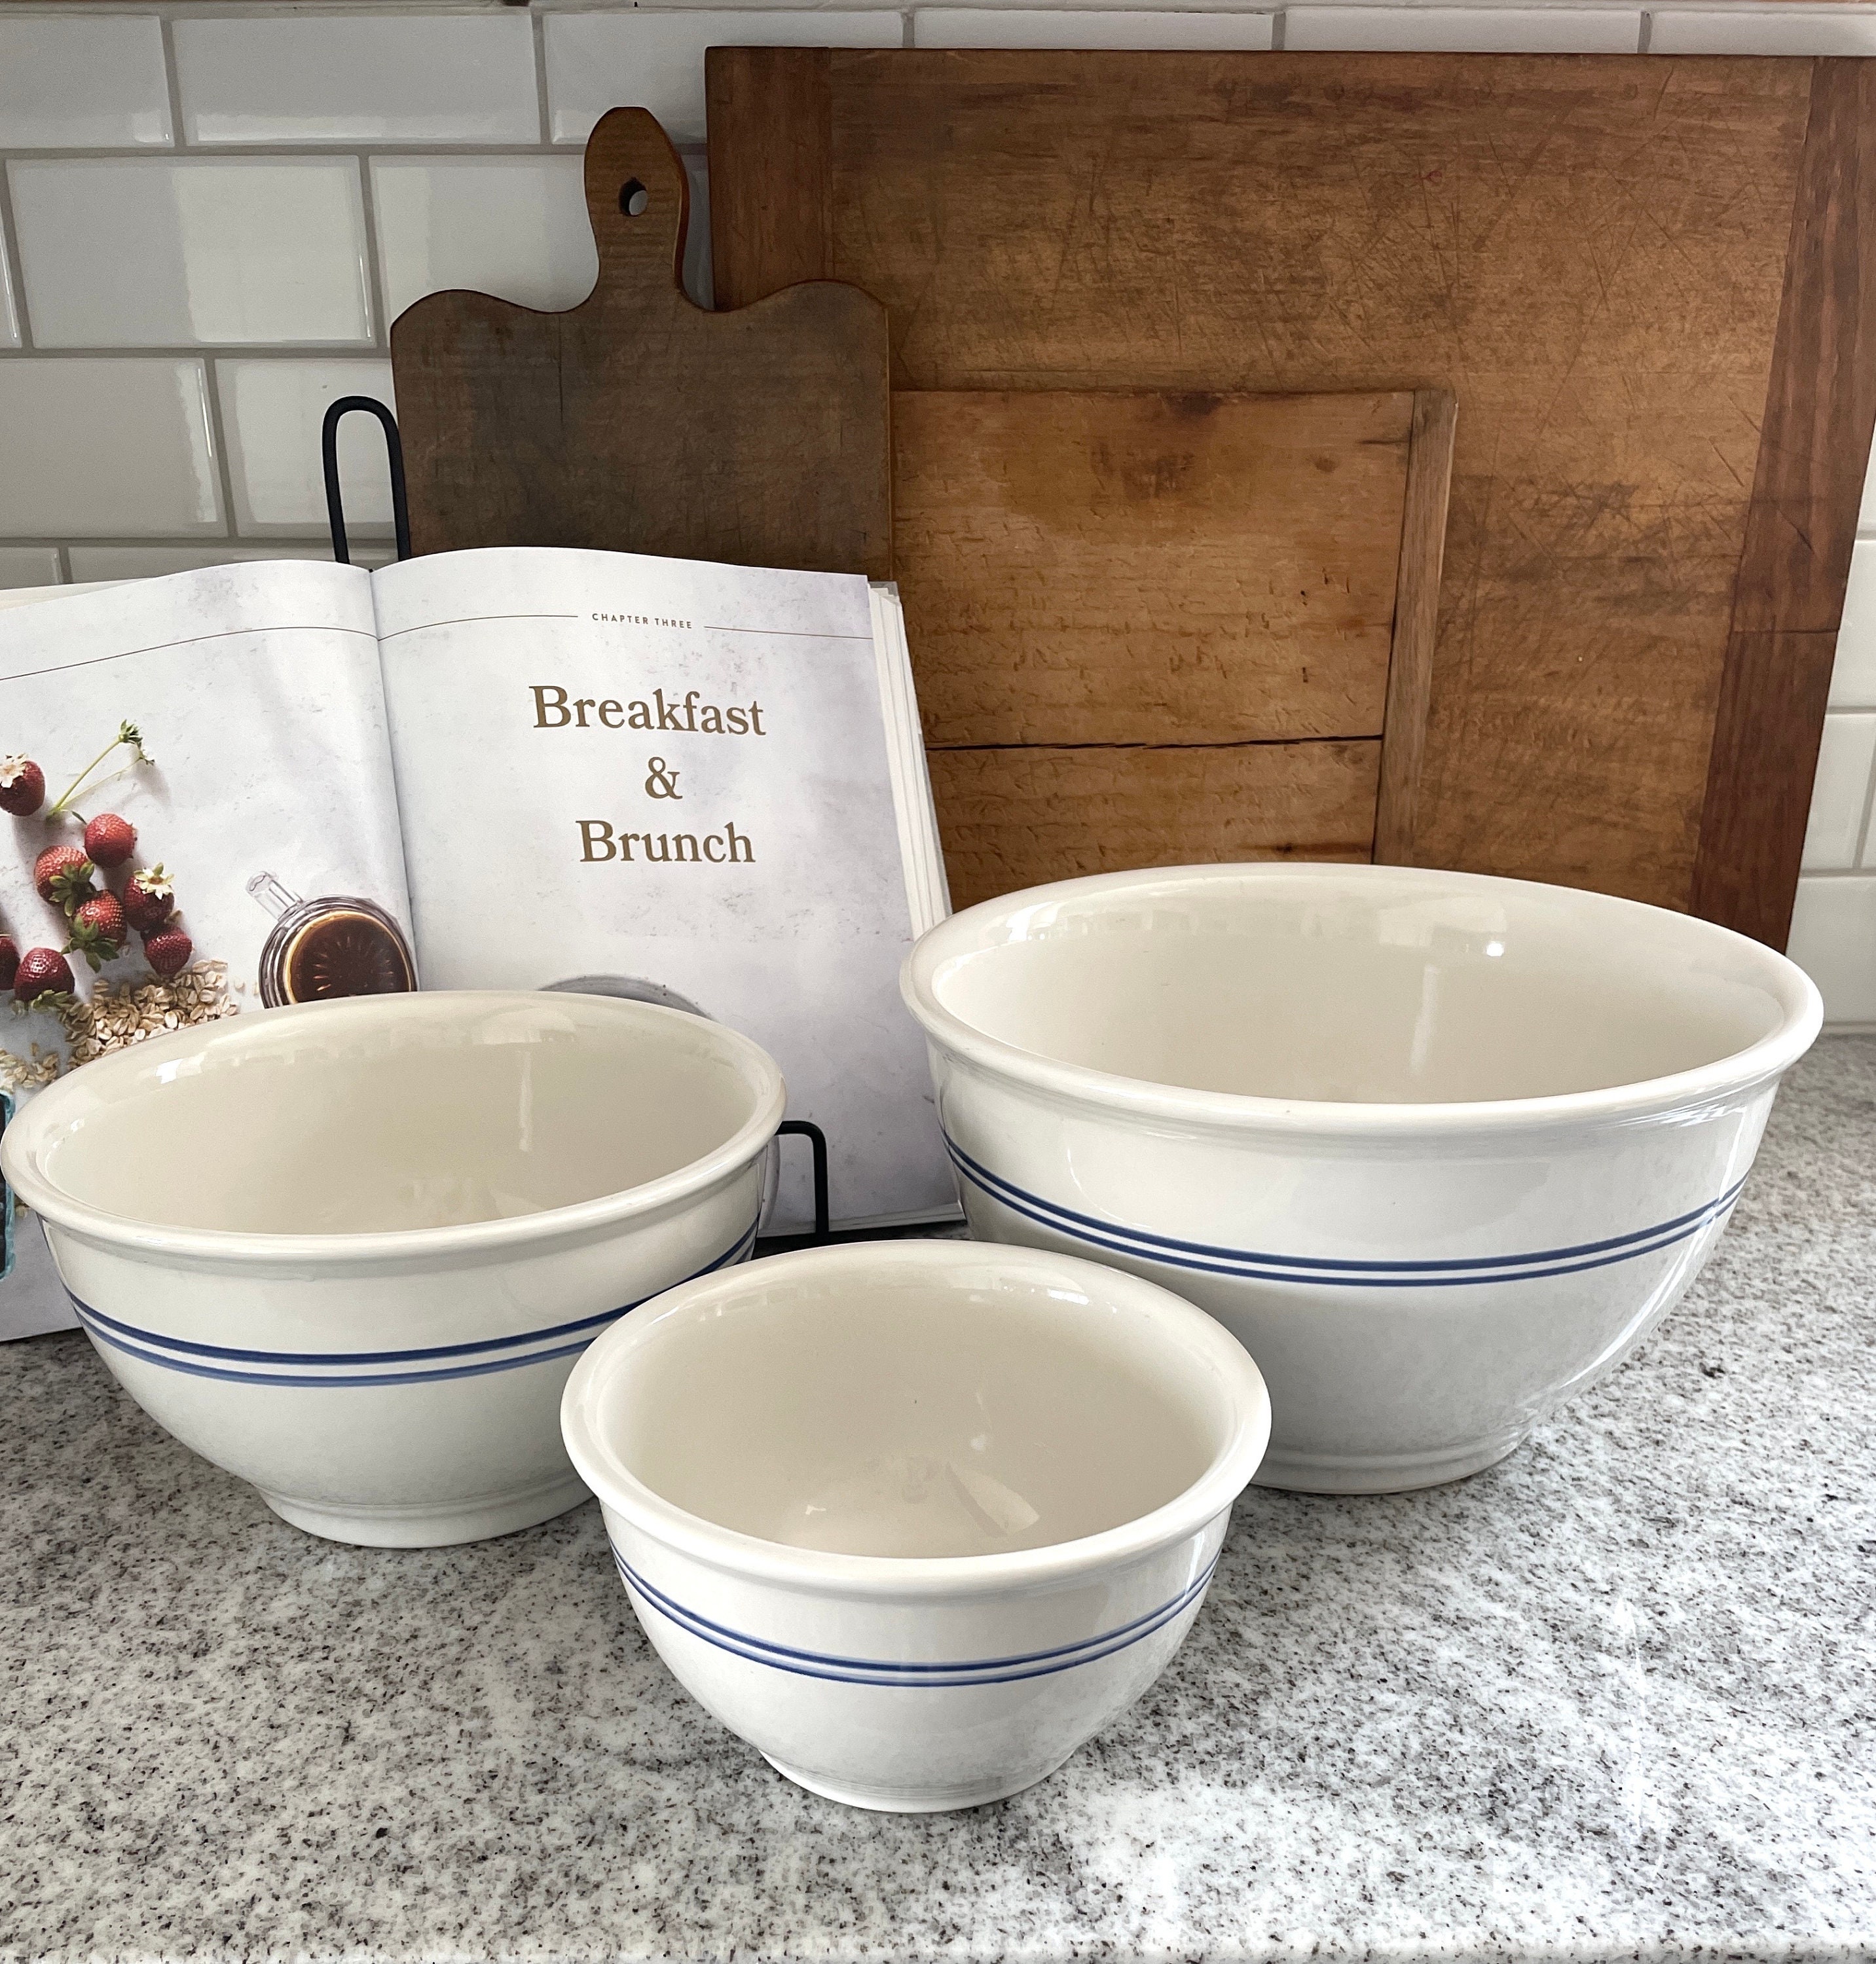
[
  {"x": 669, "y": 779},
  {"x": 220, "y": 726}
]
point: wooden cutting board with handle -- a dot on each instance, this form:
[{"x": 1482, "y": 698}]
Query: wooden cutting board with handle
[{"x": 637, "y": 421}]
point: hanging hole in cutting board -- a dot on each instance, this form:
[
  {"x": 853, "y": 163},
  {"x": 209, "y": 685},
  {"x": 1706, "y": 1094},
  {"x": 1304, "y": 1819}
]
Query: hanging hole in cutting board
[{"x": 633, "y": 198}]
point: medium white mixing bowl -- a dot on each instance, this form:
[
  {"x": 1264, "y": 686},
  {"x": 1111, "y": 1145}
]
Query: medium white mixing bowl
[
  {"x": 350, "y": 1251},
  {"x": 916, "y": 1519},
  {"x": 1439, "y": 1148}
]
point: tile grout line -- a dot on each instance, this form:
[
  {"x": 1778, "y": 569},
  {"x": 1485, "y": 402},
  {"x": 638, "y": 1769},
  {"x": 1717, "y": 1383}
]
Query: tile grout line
[
  {"x": 15, "y": 267},
  {"x": 1862, "y": 829},
  {"x": 374, "y": 282},
  {"x": 543, "y": 108},
  {"x": 167, "y": 14},
  {"x": 218, "y": 437},
  {"x": 420, "y": 10},
  {"x": 413, "y": 150},
  {"x": 167, "y": 541},
  {"x": 211, "y": 368},
  {"x": 172, "y": 82},
  {"x": 204, "y": 351}
]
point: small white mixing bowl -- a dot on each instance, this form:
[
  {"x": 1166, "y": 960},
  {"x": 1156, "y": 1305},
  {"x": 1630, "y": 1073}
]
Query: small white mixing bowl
[
  {"x": 349, "y": 1251},
  {"x": 916, "y": 1519},
  {"x": 1438, "y": 1148}
]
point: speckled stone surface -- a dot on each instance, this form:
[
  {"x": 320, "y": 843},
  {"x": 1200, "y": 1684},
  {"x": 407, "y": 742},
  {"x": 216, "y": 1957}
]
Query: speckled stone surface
[{"x": 1615, "y": 1699}]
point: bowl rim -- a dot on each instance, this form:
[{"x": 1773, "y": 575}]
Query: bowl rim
[
  {"x": 31, "y": 1131},
  {"x": 1765, "y": 1059},
  {"x": 745, "y": 1557}
]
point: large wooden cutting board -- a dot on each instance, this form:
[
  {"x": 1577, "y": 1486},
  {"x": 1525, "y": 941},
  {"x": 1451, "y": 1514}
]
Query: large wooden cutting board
[
  {"x": 1650, "y": 283},
  {"x": 638, "y": 423},
  {"x": 1151, "y": 630}
]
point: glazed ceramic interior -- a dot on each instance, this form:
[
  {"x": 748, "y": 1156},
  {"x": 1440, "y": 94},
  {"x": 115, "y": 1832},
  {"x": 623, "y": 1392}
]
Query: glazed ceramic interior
[
  {"x": 321, "y": 1123},
  {"x": 1350, "y": 985},
  {"x": 912, "y": 1416}
]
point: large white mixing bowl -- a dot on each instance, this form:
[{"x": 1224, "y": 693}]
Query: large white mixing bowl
[
  {"x": 350, "y": 1251},
  {"x": 1438, "y": 1149}
]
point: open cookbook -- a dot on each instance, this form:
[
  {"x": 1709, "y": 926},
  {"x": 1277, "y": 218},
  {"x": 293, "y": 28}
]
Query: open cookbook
[{"x": 277, "y": 782}]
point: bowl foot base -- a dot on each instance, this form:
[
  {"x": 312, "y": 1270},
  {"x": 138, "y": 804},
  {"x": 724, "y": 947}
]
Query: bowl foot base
[
  {"x": 915, "y": 1800},
  {"x": 442, "y": 1524},
  {"x": 1311, "y": 1473}
]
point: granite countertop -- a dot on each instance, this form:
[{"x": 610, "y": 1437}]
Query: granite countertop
[{"x": 1615, "y": 1699}]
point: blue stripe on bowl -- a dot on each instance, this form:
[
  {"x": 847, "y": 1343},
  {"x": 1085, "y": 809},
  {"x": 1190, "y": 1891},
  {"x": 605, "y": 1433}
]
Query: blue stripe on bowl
[
  {"x": 912, "y": 1677},
  {"x": 1257, "y": 1264},
  {"x": 175, "y": 1353}
]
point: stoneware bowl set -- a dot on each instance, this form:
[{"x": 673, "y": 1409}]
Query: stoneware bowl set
[{"x": 916, "y": 1519}]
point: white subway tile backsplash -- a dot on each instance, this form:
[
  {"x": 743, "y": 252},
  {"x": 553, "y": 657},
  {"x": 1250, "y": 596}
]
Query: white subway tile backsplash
[
  {"x": 1840, "y": 793},
  {"x": 358, "y": 79},
  {"x": 93, "y": 81},
  {"x": 654, "y": 59},
  {"x": 1465, "y": 30},
  {"x": 182, "y": 251},
  {"x": 28, "y": 566},
  {"x": 153, "y": 562},
  {"x": 1833, "y": 940},
  {"x": 271, "y": 411},
  {"x": 513, "y": 227},
  {"x": 1853, "y": 677},
  {"x": 106, "y": 449},
  {"x": 1782, "y": 28},
  {"x": 1075, "y": 28}
]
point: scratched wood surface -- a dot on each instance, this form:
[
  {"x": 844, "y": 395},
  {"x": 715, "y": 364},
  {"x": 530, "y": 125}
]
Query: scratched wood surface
[
  {"x": 1092, "y": 567},
  {"x": 1589, "y": 252},
  {"x": 1108, "y": 593},
  {"x": 638, "y": 423},
  {"x": 1016, "y": 816}
]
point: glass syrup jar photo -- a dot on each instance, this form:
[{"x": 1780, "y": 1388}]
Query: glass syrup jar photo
[{"x": 320, "y": 949}]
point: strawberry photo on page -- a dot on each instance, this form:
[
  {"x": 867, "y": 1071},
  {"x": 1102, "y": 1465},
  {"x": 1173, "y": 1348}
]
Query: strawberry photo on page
[
  {"x": 161, "y": 742},
  {"x": 100, "y": 904}
]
